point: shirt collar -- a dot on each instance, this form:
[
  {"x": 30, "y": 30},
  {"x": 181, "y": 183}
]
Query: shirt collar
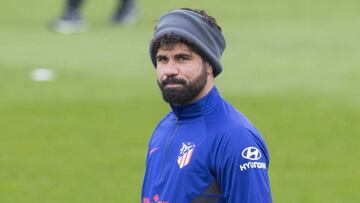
[{"x": 198, "y": 108}]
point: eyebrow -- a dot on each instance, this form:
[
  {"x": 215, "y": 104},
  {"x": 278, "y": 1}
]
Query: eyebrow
[
  {"x": 183, "y": 55},
  {"x": 160, "y": 56}
]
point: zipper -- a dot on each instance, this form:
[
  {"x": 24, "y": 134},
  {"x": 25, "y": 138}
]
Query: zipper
[{"x": 166, "y": 150}]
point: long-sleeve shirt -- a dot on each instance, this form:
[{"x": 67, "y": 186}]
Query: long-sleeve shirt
[{"x": 206, "y": 151}]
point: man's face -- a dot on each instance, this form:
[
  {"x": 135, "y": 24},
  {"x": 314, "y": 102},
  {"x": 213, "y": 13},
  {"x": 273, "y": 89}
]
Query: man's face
[{"x": 181, "y": 74}]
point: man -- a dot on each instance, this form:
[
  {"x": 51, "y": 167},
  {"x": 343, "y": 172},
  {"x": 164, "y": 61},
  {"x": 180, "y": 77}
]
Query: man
[
  {"x": 204, "y": 150},
  {"x": 71, "y": 21}
]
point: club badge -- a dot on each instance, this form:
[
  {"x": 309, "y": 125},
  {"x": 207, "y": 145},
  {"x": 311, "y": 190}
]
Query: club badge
[{"x": 185, "y": 155}]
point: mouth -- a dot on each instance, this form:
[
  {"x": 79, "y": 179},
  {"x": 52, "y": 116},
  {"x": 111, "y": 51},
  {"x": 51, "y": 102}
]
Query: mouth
[{"x": 173, "y": 85}]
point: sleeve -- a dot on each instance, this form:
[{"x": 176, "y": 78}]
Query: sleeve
[{"x": 241, "y": 167}]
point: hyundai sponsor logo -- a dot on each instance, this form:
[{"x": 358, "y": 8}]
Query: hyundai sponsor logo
[
  {"x": 249, "y": 165},
  {"x": 251, "y": 153}
]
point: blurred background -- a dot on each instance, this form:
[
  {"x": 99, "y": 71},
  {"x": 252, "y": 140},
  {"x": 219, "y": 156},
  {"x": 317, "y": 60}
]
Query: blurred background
[{"x": 292, "y": 67}]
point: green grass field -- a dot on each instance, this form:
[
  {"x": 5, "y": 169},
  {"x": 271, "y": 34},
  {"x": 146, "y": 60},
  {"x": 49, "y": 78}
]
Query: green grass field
[{"x": 292, "y": 67}]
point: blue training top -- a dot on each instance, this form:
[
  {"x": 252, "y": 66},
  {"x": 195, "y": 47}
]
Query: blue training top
[{"x": 206, "y": 151}]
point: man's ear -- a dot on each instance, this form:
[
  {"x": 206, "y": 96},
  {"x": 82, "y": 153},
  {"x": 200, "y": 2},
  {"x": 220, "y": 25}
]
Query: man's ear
[{"x": 209, "y": 68}]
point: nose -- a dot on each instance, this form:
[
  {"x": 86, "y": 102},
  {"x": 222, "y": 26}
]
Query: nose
[{"x": 169, "y": 69}]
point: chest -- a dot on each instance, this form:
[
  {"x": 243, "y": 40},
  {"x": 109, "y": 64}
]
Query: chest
[
  {"x": 178, "y": 158},
  {"x": 180, "y": 145}
]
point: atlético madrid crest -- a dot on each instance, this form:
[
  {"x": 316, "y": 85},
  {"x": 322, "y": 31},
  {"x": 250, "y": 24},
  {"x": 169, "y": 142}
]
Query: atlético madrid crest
[{"x": 185, "y": 155}]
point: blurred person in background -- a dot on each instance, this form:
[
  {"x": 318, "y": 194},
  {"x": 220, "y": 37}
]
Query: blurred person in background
[
  {"x": 204, "y": 150},
  {"x": 71, "y": 21}
]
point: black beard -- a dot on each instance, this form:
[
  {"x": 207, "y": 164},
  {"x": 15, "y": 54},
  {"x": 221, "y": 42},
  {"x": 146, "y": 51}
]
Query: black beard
[{"x": 186, "y": 93}]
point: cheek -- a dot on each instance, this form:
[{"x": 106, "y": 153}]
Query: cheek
[
  {"x": 192, "y": 71},
  {"x": 159, "y": 74}
]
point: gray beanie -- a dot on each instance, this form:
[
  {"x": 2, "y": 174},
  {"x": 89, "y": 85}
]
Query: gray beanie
[{"x": 193, "y": 27}]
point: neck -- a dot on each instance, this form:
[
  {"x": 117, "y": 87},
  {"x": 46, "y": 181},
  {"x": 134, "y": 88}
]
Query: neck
[
  {"x": 203, "y": 92},
  {"x": 200, "y": 107},
  {"x": 208, "y": 86}
]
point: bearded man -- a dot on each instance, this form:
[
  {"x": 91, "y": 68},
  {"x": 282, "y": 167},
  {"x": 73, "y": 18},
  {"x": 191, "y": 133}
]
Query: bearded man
[{"x": 204, "y": 150}]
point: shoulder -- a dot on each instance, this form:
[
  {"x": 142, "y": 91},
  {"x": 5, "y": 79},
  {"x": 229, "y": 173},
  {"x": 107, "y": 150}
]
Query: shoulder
[
  {"x": 168, "y": 118},
  {"x": 164, "y": 125},
  {"x": 234, "y": 133},
  {"x": 230, "y": 124}
]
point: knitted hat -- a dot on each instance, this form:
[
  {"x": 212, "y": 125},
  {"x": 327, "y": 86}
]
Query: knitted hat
[{"x": 193, "y": 27}]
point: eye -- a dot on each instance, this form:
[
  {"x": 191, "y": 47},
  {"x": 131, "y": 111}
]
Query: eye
[
  {"x": 182, "y": 58},
  {"x": 161, "y": 59}
]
